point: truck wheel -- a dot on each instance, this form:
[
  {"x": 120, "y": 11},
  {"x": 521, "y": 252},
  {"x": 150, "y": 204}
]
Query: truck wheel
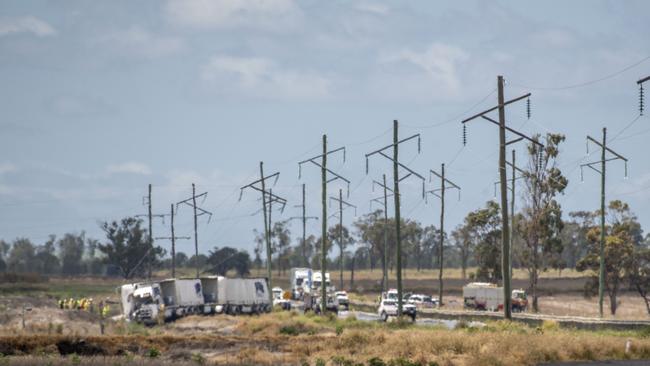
[
  {"x": 413, "y": 318},
  {"x": 384, "y": 316}
]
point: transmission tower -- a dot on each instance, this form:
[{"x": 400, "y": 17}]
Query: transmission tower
[
  {"x": 266, "y": 195},
  {"x": 173, "y": 239},
  {"x": 197, "y": 212},
  {"x": 384, "y": 202},
  {"x": 444, "y": 185},
  {"x": 603, "y": 161},
  {"x": 324, "y": 180},
  {"x": 146, "y": 200},
  {"x": 304, "y": 219},
  {"x": 505, "y": 232},
  {"x": 342, "y": 203},
  {"x": 396, "y": 179}
]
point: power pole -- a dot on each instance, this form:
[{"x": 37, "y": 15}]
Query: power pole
[
  {"x": 304, "y": 219},
  {"x": 267, "y": 230},
  {"x": 443, "y": 186},
  {"x": 396, "y": 180},
  {"x": 201, "y": 212},
  {"x": 603, "y": 160},
  {"x": 384, "y": 203},
  {"x": 324, "y": 171},
  {"x": 505, "y": 224},
  {"x": 173, "y": 240},
  {"x": 347, "y": 205},
  {"x": 147, "y": 200}
]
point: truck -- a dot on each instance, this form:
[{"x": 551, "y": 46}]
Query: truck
[
  {"x": 317, "y": 280},
  {"x": 141, "y": 302},
  {"x": 388, "y": 306},
  {"x": 243, "y": 295},
  {"x": 300, "y": 282},
  {"x": 312, "y": 302},
  {"x": 488, "y": 296},
  {"x": 182, "y": 297}
]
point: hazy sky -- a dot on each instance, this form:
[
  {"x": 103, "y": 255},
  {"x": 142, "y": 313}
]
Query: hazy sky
[{"x": 99, "y": 99}]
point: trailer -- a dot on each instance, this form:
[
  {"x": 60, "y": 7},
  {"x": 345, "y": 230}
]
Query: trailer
[
  {"x": 210, "y": 294},
  {"x": 182, "y": 297},
  {"x": 243, "y": 295},
  {"x": 483, "y": 296},
  {"x": 300, "y": 281}
]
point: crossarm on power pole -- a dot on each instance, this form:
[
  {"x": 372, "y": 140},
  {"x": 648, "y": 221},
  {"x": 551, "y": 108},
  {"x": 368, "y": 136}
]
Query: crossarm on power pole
[{"x": 495, "y": 108}]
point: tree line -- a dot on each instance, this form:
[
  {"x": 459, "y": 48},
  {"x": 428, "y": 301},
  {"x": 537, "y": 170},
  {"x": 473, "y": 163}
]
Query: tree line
[{"x": 543, "y": 237}]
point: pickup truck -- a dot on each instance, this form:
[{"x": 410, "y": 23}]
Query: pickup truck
[
  {"x": 388, "y": 307},
  {"x": 342, "y": 299}
]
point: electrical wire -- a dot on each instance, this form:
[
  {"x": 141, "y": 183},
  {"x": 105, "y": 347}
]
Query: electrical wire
[{"x": 585, "y": 83}]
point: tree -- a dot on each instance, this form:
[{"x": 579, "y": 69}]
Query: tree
[
  {"x": 46, "y": 261},
  {"x": 462, "y": 238},
  {"x": 574, "y": 236},
  {"x": 22, "y": 256},
  {"x": 71, "y": 251},
  {"x": 540, "y": 222},
  {"x": 484, "y": 228},
  {"x": 181, "y": 259},
  {"x": 280, "y": 243},
  {"x": 127, "y": 247},
  {"x": 370, "y": 230},
  {"x": 639, "y": 274},
  {"x": 343, "y": 241},
  {"x": 623, "y": 236},
  {"x": 222, "y": 260}
]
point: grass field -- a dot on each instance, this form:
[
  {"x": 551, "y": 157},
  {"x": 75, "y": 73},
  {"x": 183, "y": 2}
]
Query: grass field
[{"x": 284, "y": 338}]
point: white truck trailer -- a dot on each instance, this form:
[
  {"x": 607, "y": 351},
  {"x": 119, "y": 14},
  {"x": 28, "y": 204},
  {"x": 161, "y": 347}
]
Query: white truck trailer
[
  {"x": 483, "y": 296},
  {"x": 243, "y": 295},
  {"x": 210, "y": 295},
  {"x": 300, "y": 282},
  {"x": 182, "y": 297}
]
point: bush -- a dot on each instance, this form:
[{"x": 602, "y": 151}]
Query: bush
[
  {"x": 376, "y": 361},
  {"x": 153, "y": 353},
  {"x": 339, "y": 329}
]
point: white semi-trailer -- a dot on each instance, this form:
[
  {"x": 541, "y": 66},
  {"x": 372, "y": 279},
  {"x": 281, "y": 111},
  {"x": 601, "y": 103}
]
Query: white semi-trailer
[
  {"x": 243, "y": 295},
  {"x": 300, "y": 281},
  {"x": 182, "y": 297},
  {"x": 483, "y": 296},
  {"x": 210, "y": 294}
]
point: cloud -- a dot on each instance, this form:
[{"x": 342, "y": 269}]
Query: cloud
[
  {"x": 261, "y": 77},
  {"x": 439, "y": 62},
  {"x": 128, "y": 168},
  {"x": 140, "y": 41},
  {"x": 375, "y": 8},
  {"x": 7, "y": 168},
  {"x": 210, "y": 14},
  {"x": 28, "y": 24}
]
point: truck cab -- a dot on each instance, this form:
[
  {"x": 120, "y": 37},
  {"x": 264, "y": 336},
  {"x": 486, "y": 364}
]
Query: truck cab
[
  {"x": 142, "y": 302},
  {"x": 300, "y": 282},
  {"x": 519, "y": 301}
]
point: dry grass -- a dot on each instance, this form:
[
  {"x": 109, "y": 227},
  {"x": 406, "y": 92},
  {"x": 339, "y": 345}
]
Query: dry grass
[{"x": 289, "y": 338}]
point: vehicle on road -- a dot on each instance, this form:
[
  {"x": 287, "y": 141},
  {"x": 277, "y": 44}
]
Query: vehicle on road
[
  {"x": 388, "y": 308},
  {"x": 488, "y": 296},
  {"x": 422, "y": 301},
  {"x": 300, "y": 282},
  {"x": 342, "y": 299},
  {"x": 280, "y": 299},
  {"x": 519, "y": 301}
]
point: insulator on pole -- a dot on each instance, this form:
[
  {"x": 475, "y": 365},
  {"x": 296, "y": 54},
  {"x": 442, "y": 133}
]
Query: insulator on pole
[
  {"x": 625, "y": 177},
  {"x": 464, "y": 135},
  {"x": 528, "y": 107},
  {"x": 641, "y": 100}
]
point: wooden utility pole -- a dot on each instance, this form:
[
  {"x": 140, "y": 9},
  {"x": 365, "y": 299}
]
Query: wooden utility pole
[
  {"x": 396, "y": 180},
  {"x": 196, "y": 215},
  {"x": 385, "y": 269},
  {"x": 147, "y": 258},
  {"x": 323, "y": 260},
  {"x": 383, "y": 201},
  {"x": 512, "y": 210},
  {"x": 443, "y": 187},
  {"x": 341, "y": 208},
  {"x": 304, "y": 219},
  {"x": 149, "y": 264},
  {"x": 602, "y": 162},
  {"x": 266, "y": 216},
  {"x": 324, "y": 171},
  {"x": 173, "y": 240},
  {"x": 505, "y": 224},
  {"x": 267, "y": 235}
]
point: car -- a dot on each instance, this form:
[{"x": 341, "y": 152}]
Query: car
[
  {"x": 422, "y": 301},
  {"x": 280, "y": 300},
  {"x": 388, "y": 308},
  {"x": 342, "y": 299}
]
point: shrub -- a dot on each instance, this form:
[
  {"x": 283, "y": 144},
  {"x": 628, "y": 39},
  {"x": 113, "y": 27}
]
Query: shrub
[
  {"x": 339, "y": 329},
  {"x": 376, "y": 361},
  {"x": 153, "y": 353}
]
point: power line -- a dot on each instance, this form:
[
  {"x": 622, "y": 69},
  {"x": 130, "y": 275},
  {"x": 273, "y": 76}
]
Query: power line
[{"x": 585, "y": 83}]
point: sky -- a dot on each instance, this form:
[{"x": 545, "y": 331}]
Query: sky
[{"x": 100, "y": 99}]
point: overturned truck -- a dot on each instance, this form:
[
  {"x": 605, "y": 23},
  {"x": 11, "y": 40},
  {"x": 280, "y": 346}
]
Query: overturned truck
[{"x": 159, "y": 301}]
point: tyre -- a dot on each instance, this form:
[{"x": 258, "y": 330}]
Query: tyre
[
  {"x": 412, "y": 317},
  {"x": 384, "y": 316}
]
